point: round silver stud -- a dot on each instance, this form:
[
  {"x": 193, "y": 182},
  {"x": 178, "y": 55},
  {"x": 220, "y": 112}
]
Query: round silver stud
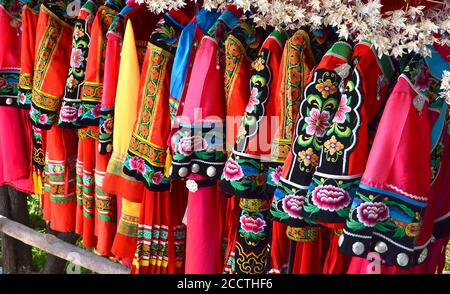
[
  {"x": 341, "y": 240},
  {"x": 358, "y": 248},
  {"x": 402, "y": 259},
  {"x": 423, "y": 255},
  {"x": 195, "y": 168},
  {"x": 381, "y": 247},
  {"x": 211, "y": 171},
  {"x": 9, "y": 101},
  {"x": 182, "y": 172}
]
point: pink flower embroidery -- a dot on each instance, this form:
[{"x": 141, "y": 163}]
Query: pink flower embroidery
[
  {"x": 293, "y": 205},
  {"x": 317, "y": 122},
  {"x": 36, "y": 130},
  {"x": 232, "y": 170},
  {"x": 343, "y": 108},
  {"x": 137, "y": 164},
  {"x": 185, "y": 146},
  {"x": 330, "y": 198},
  {"x": 252, "y": 225},
  {"x": 108, "y": 125},
  {"x": 276, "y": 174},
  {"x": 252, "y": 101},
  {"x": 43, "y": 119},
  {"x": 68, "y": 113},
  {"x": 369, "y": 213},
  {"x": 76, "y": 58},
  {"x": 3, "y": 83},
  {"x": 188, "y": 145},
  {"x": 199, "y": 143},
  {"x": 96, "y": 111},
  {"x": 157, "y": 177},
  {"x": 22, "y": 98}
]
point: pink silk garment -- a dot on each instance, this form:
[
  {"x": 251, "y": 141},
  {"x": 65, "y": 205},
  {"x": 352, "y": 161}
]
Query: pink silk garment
[{"x": 15, "y": 130}]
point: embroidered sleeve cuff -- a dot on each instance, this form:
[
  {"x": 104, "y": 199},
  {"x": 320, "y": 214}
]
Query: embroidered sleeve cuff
[
  {"x": 106, "y": 130},
  {"x": 386, "y": 223},
  {"x": 244, "y": 176}
]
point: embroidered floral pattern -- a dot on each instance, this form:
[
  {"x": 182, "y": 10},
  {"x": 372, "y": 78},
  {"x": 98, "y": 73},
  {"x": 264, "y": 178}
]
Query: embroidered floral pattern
[
  {"x": 8, "y": 87},
  {"x": 308, "y": 158},
  {"x": 276, "y": 174},
  {"x": 317, "y": 122},
  {"x": 330, "y": 198},
  {"x": 370, "y": 213},
  {"x": 253, "y": 101},
  {"x": 232, "y": 170},
  {"x": 293, "y": 204},
  {"x": 78, "y": 61},
  {"x": 252, "y": 225},
  {"x": 326, "y": 88},
  {"x": 342, "y": 110}
]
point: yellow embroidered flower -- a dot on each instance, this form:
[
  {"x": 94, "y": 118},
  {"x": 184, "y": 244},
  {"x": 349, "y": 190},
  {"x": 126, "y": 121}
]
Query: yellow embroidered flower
[
  {"x": 258, "y": 64},
  {"x": 412, "y": 230},
  {"x": 308, "y": 157},
  {"x": 326, "y": 88},
  {"x": 333, "y": 145},
  {"x": 71, "y": 82}
]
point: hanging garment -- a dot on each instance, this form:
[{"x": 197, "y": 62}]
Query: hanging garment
[
  {"x": 320, "y": 102},
  {"x": 248, "y": 159},
  {"x": 345, "y": 142},
  {"x": 15, "y": 133},
  {"x": 161, "y": 232},
  {"x": 198, "y": 149},
  {"x": 30, "y": 14},
  {"x": 53, "y": 39},
  {"x": 78, "y": 60},
  {"x": 318, "y": 91},
  {"x": 110, "y": 184},
  {"x": 388, "y": 208},
  {"x": 146, "y": 157},
  {"x": 345, "y": 147},
  {"x": 122, "y": 108},
  {"x": 241, "y": 49},
  {"x": 296, "y": 64},
  {"x": 126, "y": 103},
  {"x": 429, "y": 85},
  {"x": 97, "y": 221}
]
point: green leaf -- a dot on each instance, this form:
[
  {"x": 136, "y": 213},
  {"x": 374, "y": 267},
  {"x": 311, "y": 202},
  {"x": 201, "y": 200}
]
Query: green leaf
[
  {"x": 311, "y": 209},
  {"x": 354, "y": 225},
  {"x": 407, "y": 210},
  {"x": 403, "y": 207},
  {"x": 381, "y": 227},
  {"x": 363, "y": 198},
  {"x": 343, "y": 212},
  {"x": 317, "y": 181},
  {"x": 237, "y": 185},
  {"x": 281, "y": 215},
  {"x": 348, "y": 185},
  {"x": 178, "y": 157},
  {"x": 399, "y": 232},
  {"x": 204, "y": 155}
]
